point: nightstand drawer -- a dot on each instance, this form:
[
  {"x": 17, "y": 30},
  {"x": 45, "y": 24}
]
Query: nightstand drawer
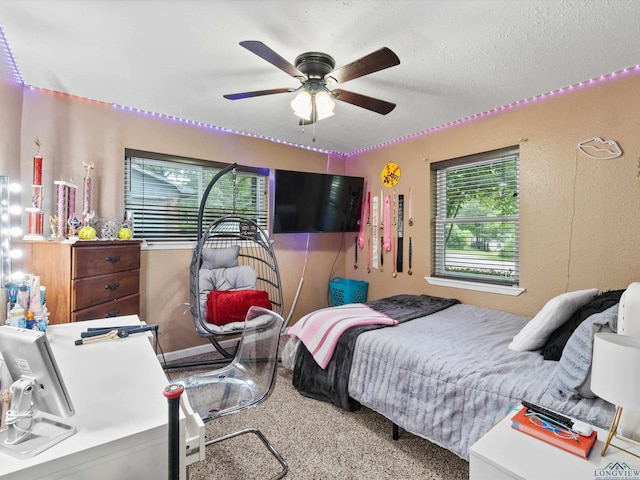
[
  {"x": 95, "y": 290},
  {"x": 101, "y": 260},
  {"x": 115, "y": 308}
]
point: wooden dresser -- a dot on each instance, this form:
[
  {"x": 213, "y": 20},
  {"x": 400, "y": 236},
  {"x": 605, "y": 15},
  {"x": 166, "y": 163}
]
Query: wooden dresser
[{"x": 86, "y": 280}]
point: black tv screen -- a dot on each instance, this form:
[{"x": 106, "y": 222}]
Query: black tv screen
[{"x": 316, "y": 202}]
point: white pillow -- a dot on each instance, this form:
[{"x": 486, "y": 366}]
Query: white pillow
[{"x": 556, "y": 311}]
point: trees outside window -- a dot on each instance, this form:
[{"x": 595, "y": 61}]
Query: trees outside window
[{"x": 477, "y": 217}]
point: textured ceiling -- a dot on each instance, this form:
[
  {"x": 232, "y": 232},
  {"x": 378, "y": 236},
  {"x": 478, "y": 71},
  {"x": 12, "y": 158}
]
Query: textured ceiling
[{"x": 458, "y": 57}]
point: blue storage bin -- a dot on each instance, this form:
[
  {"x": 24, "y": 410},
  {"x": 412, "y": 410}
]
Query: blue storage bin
[{"x": 345, "y": 290}]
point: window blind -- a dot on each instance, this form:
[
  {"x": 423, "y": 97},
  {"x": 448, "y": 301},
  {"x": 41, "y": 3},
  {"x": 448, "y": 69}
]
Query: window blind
[
  {"x": 476, "y": 234},
  {"x": 164, "y": 195}
]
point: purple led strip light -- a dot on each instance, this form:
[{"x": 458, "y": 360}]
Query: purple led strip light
[
  {"x": 413, "y": 135},
  {"x": 220, "y": 129},
  {"x": 9, "y": 55},
  {"x": 526, "y": 101},
  {"x": 18, "y": 76}
]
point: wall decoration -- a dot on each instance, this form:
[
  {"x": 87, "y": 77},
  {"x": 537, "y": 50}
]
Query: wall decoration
[
  {"x": 86, "y": 193},
  {"x": 390, "y": 174},
  {"x": 35, "y": 213},
  {"x": 374, "y": 232},
  {"x": 399, "y": 253},
  {"x": 65, "y": 207},
  {"x": 600, "y": 149},
  {"x": 410, "y": 212}
]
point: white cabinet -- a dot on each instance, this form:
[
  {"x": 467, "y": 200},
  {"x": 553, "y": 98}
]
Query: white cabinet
[
  {"x": 116, "y": 387},
  {"x": 504, "y": 453}
]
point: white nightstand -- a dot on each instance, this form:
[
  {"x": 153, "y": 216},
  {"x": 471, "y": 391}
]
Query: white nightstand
[{"x": 504, "y": 453}]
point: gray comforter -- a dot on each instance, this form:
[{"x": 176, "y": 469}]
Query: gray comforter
[
  {"x": 449, "y": 376},
  {"x": 332, "y": 383}
]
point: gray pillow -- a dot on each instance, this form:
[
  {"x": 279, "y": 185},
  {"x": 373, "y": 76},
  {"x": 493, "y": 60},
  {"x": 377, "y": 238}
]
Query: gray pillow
[
  {"x": 573, "y": 373},
  {"x": 207, "y": 282},
  {"x": 213, "y": 258},
  {"x": 242, "y": 277}
]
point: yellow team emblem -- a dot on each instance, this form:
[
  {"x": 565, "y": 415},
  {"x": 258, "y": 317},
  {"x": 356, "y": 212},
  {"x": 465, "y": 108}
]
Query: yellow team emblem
[{"x": 390, "y": 174}]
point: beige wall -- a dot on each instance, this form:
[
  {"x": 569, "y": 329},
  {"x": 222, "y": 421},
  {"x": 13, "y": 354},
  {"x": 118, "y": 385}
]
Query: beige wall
[
  {"x": 578, "y": 216},
  {"x": 10, "y": 120},
  {"x": 74, "y": 130}
]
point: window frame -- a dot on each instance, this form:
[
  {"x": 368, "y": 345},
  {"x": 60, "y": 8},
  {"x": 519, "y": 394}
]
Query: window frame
[
  {"x": 204, "y": 170},
  {"x": 440, "y": 220}
]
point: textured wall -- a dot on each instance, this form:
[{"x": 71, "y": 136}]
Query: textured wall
[{"x": 578, "y": 217}]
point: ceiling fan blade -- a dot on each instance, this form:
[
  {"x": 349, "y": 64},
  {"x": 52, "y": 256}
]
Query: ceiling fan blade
[
  {"x": 273, "y": 58},
  {"x": 257, "y": 93},
  {"x": 374, "y": 62},
  {"x": 374, "y": 104}
]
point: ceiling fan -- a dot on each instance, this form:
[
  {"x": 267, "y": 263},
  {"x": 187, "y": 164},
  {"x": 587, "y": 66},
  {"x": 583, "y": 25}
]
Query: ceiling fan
[{"x": 315, "y": 71}]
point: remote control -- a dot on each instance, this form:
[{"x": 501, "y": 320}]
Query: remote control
[{"x": 548, "y": 413}]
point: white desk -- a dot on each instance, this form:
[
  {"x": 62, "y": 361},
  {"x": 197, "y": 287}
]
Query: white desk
[
  {"x": 506, "y": 454},
  {"x": 116, "y": 387}
]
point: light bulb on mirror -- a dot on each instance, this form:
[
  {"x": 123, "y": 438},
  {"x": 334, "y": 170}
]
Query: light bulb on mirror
[{"x": 18, "y": 276}]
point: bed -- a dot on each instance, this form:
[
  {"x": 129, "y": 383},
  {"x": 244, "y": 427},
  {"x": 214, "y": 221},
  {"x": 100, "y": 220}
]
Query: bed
[{"x": 450, "y": 374}]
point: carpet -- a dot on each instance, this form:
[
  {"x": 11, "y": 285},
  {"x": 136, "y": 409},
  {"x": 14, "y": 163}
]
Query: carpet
[{"x": 319, "y": 442}]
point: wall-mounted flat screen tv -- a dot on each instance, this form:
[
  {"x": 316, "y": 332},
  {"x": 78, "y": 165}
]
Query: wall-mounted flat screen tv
[{"x": 316, "y": 202}]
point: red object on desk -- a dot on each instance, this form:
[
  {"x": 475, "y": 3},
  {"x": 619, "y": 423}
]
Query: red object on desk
[{"x": 542, "y": 430}]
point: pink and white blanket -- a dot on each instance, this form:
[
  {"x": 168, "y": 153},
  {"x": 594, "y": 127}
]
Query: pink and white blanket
[{"x": 319, "y": 331}]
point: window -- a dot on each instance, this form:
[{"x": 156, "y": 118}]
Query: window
[
  {"x": 477, "y": 218},
  {"x": 164, "y": 194}
]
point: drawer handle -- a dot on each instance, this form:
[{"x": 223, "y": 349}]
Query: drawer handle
[
  {"x": 115, "y": 313},
  {"x": 112, "y": 287},
  {"x": 113, "y": 259}
]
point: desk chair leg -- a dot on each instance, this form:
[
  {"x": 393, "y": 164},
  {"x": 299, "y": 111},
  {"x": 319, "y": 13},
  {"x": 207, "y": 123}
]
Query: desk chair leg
[{"x": 272, "y": 449}]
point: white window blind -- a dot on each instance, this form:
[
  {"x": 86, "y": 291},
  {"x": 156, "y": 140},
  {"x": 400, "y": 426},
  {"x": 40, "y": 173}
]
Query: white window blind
[
  {"x": 164, "y": 194},
  {"x": 476, "y": 235}
]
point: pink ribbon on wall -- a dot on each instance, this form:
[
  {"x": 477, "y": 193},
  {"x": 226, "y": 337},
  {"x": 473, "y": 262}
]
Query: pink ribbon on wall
[
  {"x": 387, "y": 224},
  {"x": 362, "y": 221}
]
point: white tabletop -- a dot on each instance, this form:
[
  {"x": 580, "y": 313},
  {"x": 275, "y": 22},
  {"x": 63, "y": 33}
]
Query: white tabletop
[{"x": 116, "y": 387}]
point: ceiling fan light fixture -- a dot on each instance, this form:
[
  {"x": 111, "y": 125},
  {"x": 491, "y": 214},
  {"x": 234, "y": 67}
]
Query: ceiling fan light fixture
[
  {"x": 313, "y": 105},
  {"x": 302, "y": 105},
  {"x": 324, "y": 104}
]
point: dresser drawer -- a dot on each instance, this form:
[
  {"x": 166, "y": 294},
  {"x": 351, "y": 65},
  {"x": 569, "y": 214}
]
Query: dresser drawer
[
  {"x": 99, "y": 259},
  {"x": 115, "y": 308},
  {"x": 95, "y": 290}
]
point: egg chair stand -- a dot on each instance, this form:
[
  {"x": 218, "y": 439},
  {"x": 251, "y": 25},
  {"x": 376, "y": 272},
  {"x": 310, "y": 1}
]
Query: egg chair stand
[{"x": 232, "y": 268}]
